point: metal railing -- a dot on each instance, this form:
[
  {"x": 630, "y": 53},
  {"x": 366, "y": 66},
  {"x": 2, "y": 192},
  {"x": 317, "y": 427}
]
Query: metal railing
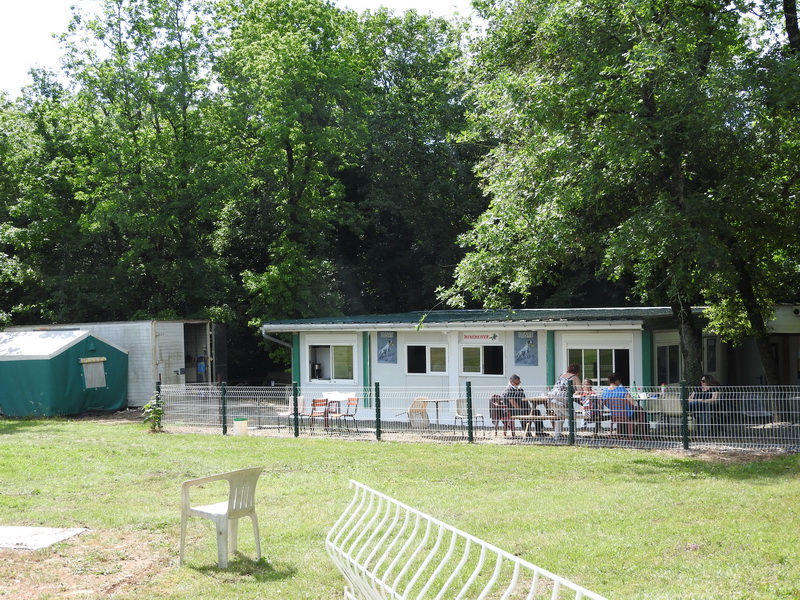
[
  {"x": 387, "y": 549},
  {"x": 669, "y": 417}
]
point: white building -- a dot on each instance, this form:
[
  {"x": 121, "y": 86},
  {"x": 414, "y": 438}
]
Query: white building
[{"x": 449, "y": 348}]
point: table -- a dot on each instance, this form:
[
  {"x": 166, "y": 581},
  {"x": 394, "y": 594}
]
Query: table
[
  {"x": 436, "y": 403},
  {"x": 537, "y": 400},
  {"x": 534, "y": 415}
]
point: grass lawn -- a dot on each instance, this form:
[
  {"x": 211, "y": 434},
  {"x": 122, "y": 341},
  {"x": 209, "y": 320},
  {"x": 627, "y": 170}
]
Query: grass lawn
[{"x": 625, "y": 524}]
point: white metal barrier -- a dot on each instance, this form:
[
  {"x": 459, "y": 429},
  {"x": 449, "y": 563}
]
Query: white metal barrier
[{"x": 386, "y": 549}]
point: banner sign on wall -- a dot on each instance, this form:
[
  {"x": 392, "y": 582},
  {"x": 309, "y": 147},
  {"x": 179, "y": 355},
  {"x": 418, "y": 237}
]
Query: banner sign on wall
[
  {"x": 526, "y": 349},
  {"x": 480, "y": 337},
  {"x": 387, "y": 347}
]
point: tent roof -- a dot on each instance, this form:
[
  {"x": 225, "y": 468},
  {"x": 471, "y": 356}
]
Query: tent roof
[{"x": 37, "y": 345}]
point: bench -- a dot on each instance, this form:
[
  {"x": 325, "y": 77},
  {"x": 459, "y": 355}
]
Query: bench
[{"x": 386, "y": 549}]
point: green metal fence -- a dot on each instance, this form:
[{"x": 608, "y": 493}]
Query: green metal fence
[{"x": 651, "y": 417}]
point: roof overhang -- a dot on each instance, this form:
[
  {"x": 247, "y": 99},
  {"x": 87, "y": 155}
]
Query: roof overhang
[
  {"x": 271, "y": 328},
  {"x": 576, "y": 319}
]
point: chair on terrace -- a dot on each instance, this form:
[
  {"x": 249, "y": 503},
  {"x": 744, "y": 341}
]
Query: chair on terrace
[
  {"x": 288, "y": 414},
  {"x": 418, "y": 414},
  {"x": 461, "y": 415},
  {"x": 318, "y": 410},
  {"x": 349, "y": 412}
]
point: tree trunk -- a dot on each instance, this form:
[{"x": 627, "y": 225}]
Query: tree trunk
[
  {"x": 769, "y": 361},
  {"x": 691, "y": 343},
  {"x": 792, "y": 29}
]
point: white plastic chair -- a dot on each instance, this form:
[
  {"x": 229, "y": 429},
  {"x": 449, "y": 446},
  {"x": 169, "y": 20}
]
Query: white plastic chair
[
  {"x": 288, "y": 413},
  {"x": 461, "y": 415},
  {"x": 226, "y": 514}
]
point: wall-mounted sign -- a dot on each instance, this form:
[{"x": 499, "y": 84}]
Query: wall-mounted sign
[
  {"x": 477, "y": 338},
  {"x": 387, "y": 347},
  {"x": 526, "y": 349}
]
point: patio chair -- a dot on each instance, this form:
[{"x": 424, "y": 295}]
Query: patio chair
[
  {"x": 225, "y": 514},
  {"x": 318, "y": 410},
  {"x": 461, "y": 415},
  {"x": 500, "y": 413},
  {"x": 288, "y": 414},
  {"x": 349, "y": 412},
  {"x": 418, "y": 414}
]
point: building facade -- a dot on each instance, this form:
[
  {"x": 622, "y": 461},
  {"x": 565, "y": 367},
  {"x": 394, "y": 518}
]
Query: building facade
[{"x": 449, "y": 348}]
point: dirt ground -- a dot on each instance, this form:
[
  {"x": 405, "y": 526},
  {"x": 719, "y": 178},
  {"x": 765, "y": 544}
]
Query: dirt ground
[
  {"x": 95, "y": 564},
  {"x": 100, "y": 564}
]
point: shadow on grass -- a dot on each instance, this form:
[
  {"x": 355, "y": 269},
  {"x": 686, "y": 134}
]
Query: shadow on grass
[
  {"x": 745, "y": 466},
  {"x": 11, "y": 425},
  {"x": 260, "y": 570}
]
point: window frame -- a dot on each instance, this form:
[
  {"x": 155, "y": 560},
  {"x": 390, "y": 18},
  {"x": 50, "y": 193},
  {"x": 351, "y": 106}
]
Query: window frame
[
  {"x": 329, "y": 363},
  {"x": 611, "y": 342},
  {"x": 428, "y": 359},
  {"x": 94, "y": 373},
  {"x": 668, "y": 378},
  {"x": 482, "y": 349}
]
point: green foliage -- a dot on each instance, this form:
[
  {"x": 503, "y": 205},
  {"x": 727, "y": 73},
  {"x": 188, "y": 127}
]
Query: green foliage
[
  {"x": 646, "y": 137},
  {"x": 245, "y": 158},
  {"x": 415, "y": 186},
  {"x": 153, "y": 413},
  {"x": 288, "y": 64}
]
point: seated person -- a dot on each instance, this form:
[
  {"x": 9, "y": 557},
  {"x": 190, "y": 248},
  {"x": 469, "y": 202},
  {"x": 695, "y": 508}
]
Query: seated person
[
  {"x": 703, "y": 401},
  {"x": 515, "y": 396},
  {"x": 618, "y": 399},
  {"x": 592, "y": 407}
]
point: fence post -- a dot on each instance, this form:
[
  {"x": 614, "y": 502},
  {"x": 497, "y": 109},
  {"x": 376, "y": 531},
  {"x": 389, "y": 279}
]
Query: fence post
[
  {"x": 470, "y": 433},
  {"x": 295, "y": 415},
  {"x": 570, "y": 412},
  {"x": 685, "y": 415},
  {"x": 224, "y": 402},
  {"x": 377, "y": 411}
]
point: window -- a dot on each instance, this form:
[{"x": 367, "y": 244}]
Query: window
[
  {"x": 332, "y": 362},
  {"x": 426, "y": 359},
  {"x": 94, "y": 372},
  {"x": 485, "y": 360},
  {"x": 598, "y": 363},
  {"x": 668, "y": 364}
]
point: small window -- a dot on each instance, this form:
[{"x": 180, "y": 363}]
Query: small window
[
  {"x": 426, "y": 359},
  {"x": 484, "y": 360},
  {"x": 331, "y": 362},
  {"x": 94, "y": 372}
]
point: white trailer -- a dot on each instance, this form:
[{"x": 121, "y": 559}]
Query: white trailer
[{"x": 173, "y": 352}]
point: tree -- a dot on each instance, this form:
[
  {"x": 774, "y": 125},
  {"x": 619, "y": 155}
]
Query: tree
[
  {"x": 142, "y": 70},
  {"x": 294, "y": 119},
  {"x": 413, "y": 185},
  {"x": 621, "y": 130},
  {"x": 111, "y": 219}
]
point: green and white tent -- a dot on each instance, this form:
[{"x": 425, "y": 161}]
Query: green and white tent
[{"x": 67, "y": 372}]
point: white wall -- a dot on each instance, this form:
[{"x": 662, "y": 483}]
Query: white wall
[{"x": 169, "y": 354}]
